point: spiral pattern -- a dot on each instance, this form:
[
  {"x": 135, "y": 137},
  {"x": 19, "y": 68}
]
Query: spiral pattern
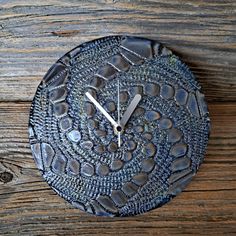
[{"x": 163, "y": 143}]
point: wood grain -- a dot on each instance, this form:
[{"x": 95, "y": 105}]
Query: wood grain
[
  {"x": 34, "y": 34},
  {"x": 29, "y": 206}
]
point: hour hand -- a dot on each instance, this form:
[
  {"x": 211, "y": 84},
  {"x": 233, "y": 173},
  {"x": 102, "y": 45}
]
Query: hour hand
[
  {"x": 101, "y": 109},
  {"x": 128, "y": 113}
]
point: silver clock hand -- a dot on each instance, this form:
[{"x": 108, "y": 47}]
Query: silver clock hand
[
  {"x": 101, "y": 109},
  {"x": 128, "y": 113},
  {"x": 118, "y": 108}
]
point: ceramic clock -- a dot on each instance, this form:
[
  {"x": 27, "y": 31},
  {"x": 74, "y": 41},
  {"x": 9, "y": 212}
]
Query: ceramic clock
[{"x": 118, "y": 126}]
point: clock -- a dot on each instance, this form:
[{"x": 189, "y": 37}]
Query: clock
[{"x": 118, "y": 126}]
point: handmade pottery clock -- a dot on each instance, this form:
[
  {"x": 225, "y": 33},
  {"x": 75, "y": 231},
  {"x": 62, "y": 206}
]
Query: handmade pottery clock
[{"x": 118, "y": 126}]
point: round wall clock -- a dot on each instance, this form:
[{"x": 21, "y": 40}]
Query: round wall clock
[{"x": 118, "y": 126}]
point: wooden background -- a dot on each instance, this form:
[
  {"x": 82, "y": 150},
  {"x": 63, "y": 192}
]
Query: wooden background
[{"x": 33, "y": 34}]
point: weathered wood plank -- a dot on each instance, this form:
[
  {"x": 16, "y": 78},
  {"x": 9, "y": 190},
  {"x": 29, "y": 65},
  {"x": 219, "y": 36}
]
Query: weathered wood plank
[
  {"x": 34, "y": 35},
  {"x": 30, "y": 207}
]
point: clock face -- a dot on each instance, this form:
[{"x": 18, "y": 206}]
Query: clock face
[{"x": 118, "y": 126}]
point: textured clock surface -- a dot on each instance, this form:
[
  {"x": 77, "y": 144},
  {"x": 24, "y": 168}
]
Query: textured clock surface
[{"x": 162, "y": 145}]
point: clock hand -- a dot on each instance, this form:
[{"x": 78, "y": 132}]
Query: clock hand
[
  {"x": 128, "y": 113},
  {"x": 101, "y": 109},
  {"x": 118, "y": 108}
]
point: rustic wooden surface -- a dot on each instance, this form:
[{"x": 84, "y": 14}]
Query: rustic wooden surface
[{"x": 33, "y": 34}]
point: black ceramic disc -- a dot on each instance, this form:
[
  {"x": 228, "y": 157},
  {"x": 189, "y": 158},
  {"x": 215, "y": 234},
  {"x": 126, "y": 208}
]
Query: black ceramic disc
[{"x": 162, "y": 145}]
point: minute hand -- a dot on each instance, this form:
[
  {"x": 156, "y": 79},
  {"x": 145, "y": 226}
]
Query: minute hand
[
  {"x": 128, "y": 113},
  {"x": 101, "y": 109}
]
